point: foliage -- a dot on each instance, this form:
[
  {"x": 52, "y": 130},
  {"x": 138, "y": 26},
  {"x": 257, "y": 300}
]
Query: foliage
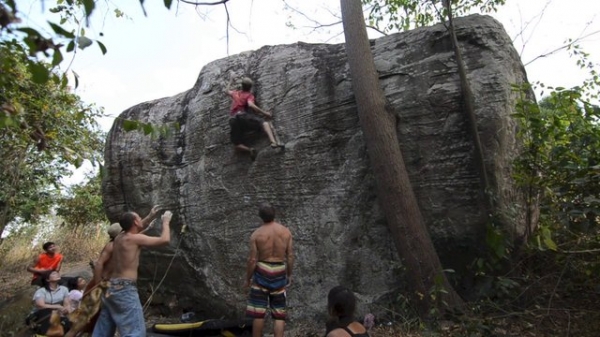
[
  {"x": 43, "y": 130},
  {"x": 43, "y": 49},
  {"x": 561, "y": 161},
  {"x": 83, "y": 206},
  {"x": 43, "y": 127},
  {"x": 396, "y": 15}
]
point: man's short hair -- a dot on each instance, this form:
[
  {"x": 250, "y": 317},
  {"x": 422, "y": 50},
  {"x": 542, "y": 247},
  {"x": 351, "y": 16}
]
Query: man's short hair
[
  {"x": 246, "y": 84},
  {"x": 47, "y": 245},
  {"x": 127, "y": 220},
  {"x": 266, "y": 212}
]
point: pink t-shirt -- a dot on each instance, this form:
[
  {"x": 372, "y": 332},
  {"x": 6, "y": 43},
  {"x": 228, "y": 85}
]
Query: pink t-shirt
[{"x": 240, "y": 101}]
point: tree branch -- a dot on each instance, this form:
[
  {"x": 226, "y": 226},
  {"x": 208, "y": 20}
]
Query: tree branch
[
  {"x": 222, "y": 2},
  {"x": 587, "y": 251},
  {"x": 562, "y": 47}
]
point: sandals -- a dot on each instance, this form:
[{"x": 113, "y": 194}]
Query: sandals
[{"x": 275, "y": 145}]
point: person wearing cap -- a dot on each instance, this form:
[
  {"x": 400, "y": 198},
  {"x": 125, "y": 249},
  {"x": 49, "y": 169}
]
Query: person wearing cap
[
  {"x": 103, "y": 270},
  {"x": 121, "y": 307},
  {"x": 245, "y": 115},
  {"x": 114, "y": 230},
  {"x": 84, "y": 320},
  {"x": 44, "y": 263}
]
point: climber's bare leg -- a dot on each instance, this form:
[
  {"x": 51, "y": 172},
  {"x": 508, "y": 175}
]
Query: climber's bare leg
[{"x": 269, "y": 133}]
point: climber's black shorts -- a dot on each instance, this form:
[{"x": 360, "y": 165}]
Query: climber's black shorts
[{"x": 242, "y": 123}]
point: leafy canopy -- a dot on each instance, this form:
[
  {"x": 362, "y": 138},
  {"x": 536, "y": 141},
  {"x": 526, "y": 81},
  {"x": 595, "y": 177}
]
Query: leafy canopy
[
  {"x": 83, "y": 205},
  {"x": 44, "y": 129},
  {"x": 398, "y": 15}
]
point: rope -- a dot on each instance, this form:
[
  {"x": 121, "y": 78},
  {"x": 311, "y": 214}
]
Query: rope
[{"x": 154, "y": 290}]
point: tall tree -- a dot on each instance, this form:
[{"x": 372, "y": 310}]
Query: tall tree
[
  {"x": 394, "y": 190},
  {"x": 44, "y": 128},
  {"x": 469, "y": 108},
  {"x": 83, "y": 206}
]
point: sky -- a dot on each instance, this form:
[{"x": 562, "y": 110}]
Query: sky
[{"x": 161, "y": 53}]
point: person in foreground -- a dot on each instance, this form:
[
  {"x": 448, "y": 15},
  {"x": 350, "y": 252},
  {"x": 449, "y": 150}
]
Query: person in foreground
[
  {"x": 269, "y": 272},
  {"x": 51, "y": 302},
  {"x": 84, "y": 319},
  {"x": 121, "y": 307},
  {"x": 341, "y": 304}
]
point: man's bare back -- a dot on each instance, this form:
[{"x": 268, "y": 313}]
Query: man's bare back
[
  {"x": 269, "y": 271},
  {"x": 272, "y": 241}
]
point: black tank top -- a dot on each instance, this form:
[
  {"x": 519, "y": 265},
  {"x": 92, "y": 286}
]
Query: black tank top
[
  {"x": 352, "y": 334},
  {"x": 343, "y": 322}
]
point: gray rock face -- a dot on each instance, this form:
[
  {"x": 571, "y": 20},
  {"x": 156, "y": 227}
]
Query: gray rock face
[{"x": 321, "y": 183}]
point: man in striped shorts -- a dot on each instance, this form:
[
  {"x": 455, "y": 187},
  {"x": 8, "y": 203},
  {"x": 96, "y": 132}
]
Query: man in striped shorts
[{"x": 269, "y": 272}]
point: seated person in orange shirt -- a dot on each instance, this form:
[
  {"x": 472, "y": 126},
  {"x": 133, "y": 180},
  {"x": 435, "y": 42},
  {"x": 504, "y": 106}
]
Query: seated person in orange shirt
[{"x": 44, "y": 263}]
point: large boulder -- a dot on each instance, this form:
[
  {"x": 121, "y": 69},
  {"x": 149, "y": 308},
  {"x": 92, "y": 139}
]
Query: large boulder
[{"x": 321, "y": 183}]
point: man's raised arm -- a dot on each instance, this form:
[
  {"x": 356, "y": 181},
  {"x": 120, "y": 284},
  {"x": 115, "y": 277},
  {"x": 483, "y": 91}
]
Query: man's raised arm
[
  {"x": 148, "y": 219},
  {"x": 227, "y": 89},
  {"x": 153, "y": 241}
]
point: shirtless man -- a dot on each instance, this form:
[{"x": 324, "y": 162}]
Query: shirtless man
[
  {"x": 269, "y": 272},
  {"x": 121, "y": 307},
  {"x": 103, "y": 267}
]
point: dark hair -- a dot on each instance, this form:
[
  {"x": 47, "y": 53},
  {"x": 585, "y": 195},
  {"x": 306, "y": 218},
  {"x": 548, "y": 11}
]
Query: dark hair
[
  {"x": 341, "y": 302},
  {"x": 47, "y": 245},
  {"x": 246, "y": 84},
  {"x": 266, "y": 212},
  {"x": 127, "y": 220},
  {"x": 45, "y": 276},
  {"x": 73, "y": 282}
]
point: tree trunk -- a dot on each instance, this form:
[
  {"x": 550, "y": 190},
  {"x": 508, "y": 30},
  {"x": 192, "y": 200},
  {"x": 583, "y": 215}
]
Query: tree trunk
[
  {"x": 430, "y": 287},
  {"x": 468, "y": 100}
]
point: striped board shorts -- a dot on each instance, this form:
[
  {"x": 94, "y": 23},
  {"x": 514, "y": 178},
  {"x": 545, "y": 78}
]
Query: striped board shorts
[{"x": 268, "y": 291}]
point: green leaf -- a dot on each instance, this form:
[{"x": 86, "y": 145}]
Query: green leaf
[
  {"x": 76, "y": 76},
  {"x": 39, "y": 73},
  {"x": 129, "y": 125},
  {"x": 550, "y": 244},
  {"x": 64, "y": 82},
  {"x": 148, "y": 128},
  {"x": 61, "y": 31},
  {"x": 83, "y": 42},
  {"x": 88, "y": 5},
  {"x": 12, "y": 5},
  {"x": 102, "y": 47},
  {"x": 29, "y": 31},
  {"x": 71, "y": 46},
  {"x": 57, "y": 58}
]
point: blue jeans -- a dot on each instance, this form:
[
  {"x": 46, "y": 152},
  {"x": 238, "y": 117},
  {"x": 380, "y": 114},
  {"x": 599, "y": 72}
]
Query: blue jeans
[{"x": 121, "y": 308}]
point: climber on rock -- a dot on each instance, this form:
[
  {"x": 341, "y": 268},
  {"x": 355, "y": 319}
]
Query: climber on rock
[{"x": 245, "y": 115}]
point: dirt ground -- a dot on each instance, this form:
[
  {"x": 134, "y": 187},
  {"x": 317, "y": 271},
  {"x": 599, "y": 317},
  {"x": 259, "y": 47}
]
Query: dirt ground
[{"x": 552, "y": 312}]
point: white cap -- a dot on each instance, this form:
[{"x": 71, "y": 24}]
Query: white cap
[{"x": 114, "y": 230}]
